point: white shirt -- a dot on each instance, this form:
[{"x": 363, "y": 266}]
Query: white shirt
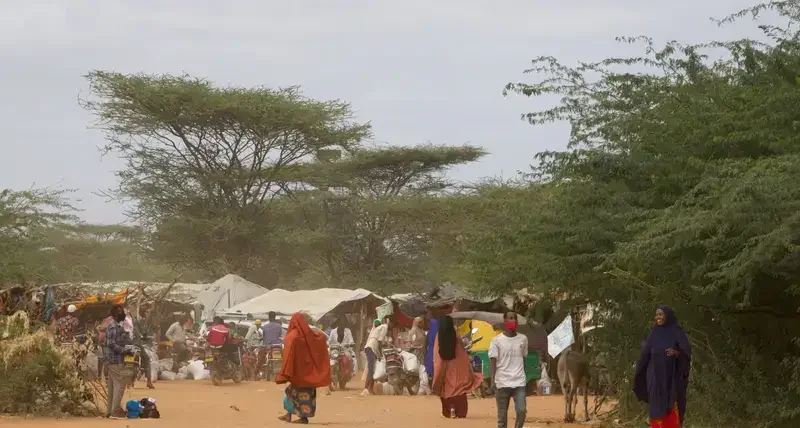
[
  {"x": 346, "y": 340},
  {"x": 376, "y": 336},
  {"x": 509, "y": 352},
  {"x": 176, "y": 333},
  {"x": 254, "y": 336}
]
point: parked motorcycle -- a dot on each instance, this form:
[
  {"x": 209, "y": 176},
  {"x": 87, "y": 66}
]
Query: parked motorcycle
[
  {"x": 224, "y": 365},
  {"x": 273, "y": 361},
  {"x": 132, "y": 360},
  {"x": 341, "y": 365},
  {"x": 400, "y": 376},
  {"x": 250, "y": 363},
  {"x": 139, "y": 371}
]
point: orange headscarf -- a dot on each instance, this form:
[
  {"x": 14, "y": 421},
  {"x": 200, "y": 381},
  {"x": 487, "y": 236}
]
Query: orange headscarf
[{"x": 305, "y": 355}]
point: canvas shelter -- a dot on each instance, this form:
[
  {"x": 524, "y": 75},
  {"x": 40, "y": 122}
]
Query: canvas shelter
[
  {"x": 316, "y": 303},
  {"x": 227, "y": 292}
]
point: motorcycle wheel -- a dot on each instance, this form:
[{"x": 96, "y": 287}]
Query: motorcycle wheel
[
  {"x": 216, "y": 378},
  {"x": 237, "y": 375},
  {"x": 397, "y": 384},
  {"x": 413, "y": 388},
  {"x": 343, "y": 384}
]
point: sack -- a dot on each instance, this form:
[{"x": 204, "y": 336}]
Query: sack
[
  {"x": 149, "y": 409},
  {"x": 410, "y": 362},
  {"x": 424, "y": 387},
  {"x": 166, "y": 375},
  {"x": 380, "y": 370},
  {"x": 133, "y": 408},
  {"x": 195, "y": 370},
  {"x": 165, "y": 365}
]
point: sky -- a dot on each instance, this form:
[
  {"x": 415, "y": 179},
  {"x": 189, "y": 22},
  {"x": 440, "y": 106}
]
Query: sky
[{"x": 419, "y": 71}]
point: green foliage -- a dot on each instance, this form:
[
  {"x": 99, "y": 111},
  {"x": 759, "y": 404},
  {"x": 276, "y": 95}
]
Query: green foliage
[
  {"x": 678, "y": 187},
  {"x": 203, "y": 163},
  {"x": 25, "y": 218},
  {"x": 38, "y": 377},
  {"x": 369, "y": 219}
]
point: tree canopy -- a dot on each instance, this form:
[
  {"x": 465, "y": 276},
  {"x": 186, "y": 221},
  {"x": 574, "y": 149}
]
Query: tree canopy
[{"x": 679, "y": 186}]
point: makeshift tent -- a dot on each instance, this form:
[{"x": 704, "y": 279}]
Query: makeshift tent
[
  {"x": 227, "y": 292},
  {"x": 439, "y": 301},
  {"x": 316, "y": 303}
]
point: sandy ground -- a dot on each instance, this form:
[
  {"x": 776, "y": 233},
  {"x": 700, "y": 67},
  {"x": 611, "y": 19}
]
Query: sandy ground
[{"x": 199, "y": 404}]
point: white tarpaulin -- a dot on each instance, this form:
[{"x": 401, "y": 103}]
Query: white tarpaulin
[
  {"x": 228, "y": 291},
  {"x": 315, "y": 303},
  {"x": 561, "y": 338}
]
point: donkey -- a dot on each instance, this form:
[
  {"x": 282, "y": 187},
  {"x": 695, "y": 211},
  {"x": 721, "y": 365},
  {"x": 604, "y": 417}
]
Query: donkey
[{"x": 573, "y": 372}]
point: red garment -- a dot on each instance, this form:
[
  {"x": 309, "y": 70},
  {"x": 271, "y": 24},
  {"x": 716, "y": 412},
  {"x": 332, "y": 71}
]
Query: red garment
[
  {"x": 454, "y": 377},
  {"x": 218, "y": 335},
  {"x": 457, "y": 403},
  {"x": 305, "y": 355},
  {"x": 671, "y": 420}
]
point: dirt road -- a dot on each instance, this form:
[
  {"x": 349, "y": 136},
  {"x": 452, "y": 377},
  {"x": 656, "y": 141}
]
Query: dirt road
[{"x": 198, "y": 404}]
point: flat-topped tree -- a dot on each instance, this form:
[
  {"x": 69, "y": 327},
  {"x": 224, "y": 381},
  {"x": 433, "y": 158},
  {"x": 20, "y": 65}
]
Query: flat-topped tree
[{"x": 195, "y": 156}]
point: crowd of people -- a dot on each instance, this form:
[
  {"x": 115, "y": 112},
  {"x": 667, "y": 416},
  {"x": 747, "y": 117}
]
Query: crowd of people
[{"x": 661, "y": 378}]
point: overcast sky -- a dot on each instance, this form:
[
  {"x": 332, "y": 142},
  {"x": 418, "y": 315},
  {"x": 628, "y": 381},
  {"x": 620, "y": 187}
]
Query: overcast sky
[{"x": 419, "y": 70}]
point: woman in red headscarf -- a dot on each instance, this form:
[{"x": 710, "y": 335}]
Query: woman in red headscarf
[{"x": 306, "y": 367}]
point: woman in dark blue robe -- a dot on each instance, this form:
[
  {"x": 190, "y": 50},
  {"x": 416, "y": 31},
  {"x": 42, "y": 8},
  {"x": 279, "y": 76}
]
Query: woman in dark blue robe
[
  {"x": 662, "y": 372},
  {"x": 433, "y": 329}
]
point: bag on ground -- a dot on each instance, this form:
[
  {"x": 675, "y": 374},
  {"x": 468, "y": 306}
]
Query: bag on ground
[{"x": 195, "y": 369}]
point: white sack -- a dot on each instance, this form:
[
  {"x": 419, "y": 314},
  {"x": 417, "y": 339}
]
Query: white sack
[
  {"x": 166, "y": 375},
  {"x": 380, "y": 370},
  {"x": 424, "y": 388},
  {"x": 196, "y": 369},
  {"x": 410, "y": 362}
]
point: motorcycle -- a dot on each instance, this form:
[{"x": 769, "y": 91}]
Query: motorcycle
[
  {"x": 224, "y": 365},
  {"x": 341, "y": 365},
  {"x": 397, "y": 374},
  {"x": 251, "y": 359},
  {"x": 132, "y": 360},
  {"x": 272, "y": 361},
  {"x": 138, "y": 369}
]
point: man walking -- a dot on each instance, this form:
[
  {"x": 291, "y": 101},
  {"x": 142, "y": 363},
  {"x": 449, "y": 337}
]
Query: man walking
[
  {"x": 507, "y": 355},
  {"x": 116, "y": 338}
]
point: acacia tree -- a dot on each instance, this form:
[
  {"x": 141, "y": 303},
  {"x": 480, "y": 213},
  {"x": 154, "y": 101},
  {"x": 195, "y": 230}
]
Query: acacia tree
[
  {"x": 678, "y": 187},
  {"x": 370, "y": 217},
  {"x": 25, "y": 216},
  {"x": 203, "y": 164}
]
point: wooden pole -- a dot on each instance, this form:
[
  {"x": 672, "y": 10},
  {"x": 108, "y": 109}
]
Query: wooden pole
[{"x": 361, "y": 338}]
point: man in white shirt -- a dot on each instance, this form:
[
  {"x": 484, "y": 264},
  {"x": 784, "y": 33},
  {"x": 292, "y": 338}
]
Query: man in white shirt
[
  {"x": 507, "y": 355},
  {"x": 375, "y": 342},
  {"x": 176, "y": 333},
  {"x": 254, "y": 337}
]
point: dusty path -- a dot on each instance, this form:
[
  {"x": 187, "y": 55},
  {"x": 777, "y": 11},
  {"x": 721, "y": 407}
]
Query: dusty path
[{"x": 198, "y": 404}]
